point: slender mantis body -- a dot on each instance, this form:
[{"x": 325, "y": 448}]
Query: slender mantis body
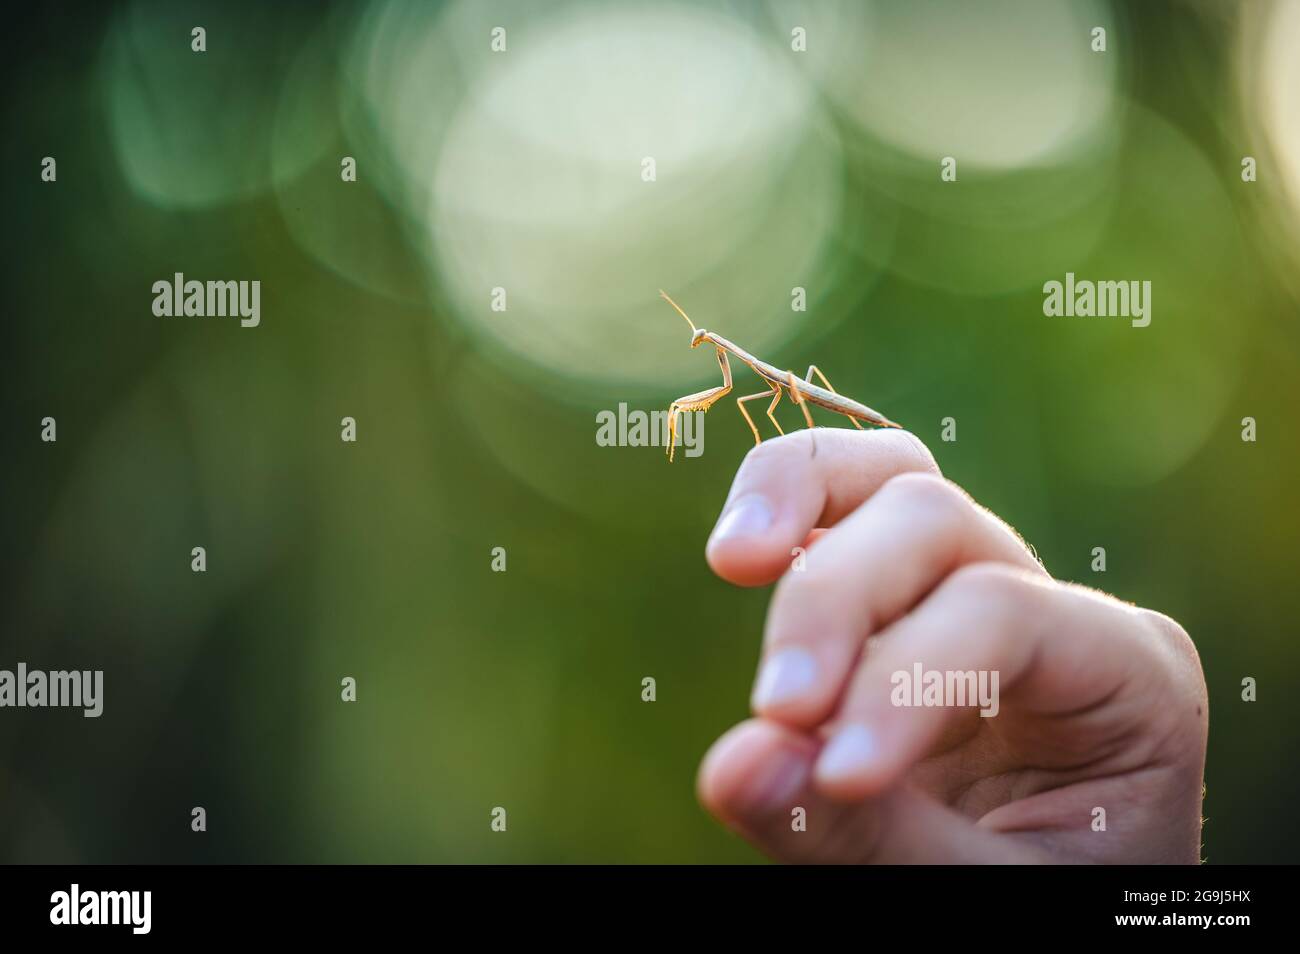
[{"x": 802, "y": 392}]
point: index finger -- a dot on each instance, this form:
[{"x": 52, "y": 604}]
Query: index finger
[{"x": 784, "y": 490}]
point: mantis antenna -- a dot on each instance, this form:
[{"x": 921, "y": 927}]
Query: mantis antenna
[
  {"x": 802, "y": 390},
  {"x": 679, "y": 309}
]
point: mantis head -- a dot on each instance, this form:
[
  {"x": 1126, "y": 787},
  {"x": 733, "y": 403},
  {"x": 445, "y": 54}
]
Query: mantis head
[{"x": 698, "y": 335}]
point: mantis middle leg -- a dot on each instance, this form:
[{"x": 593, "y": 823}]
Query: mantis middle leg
[{"x": 775, "y": 392}]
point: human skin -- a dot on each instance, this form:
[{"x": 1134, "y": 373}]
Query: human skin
[{"x": 1102, "y": 703}]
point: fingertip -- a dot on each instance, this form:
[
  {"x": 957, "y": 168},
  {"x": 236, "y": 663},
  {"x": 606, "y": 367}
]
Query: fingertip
[
  {"x": 723, "y": 764},
  {"x": 853, "y": 764},
  {"x": 796, "y": 686},
  {"x": 743, "y": 562},
  {"x": 752, "y": 771},
  {"x": 745, "y": 546}
]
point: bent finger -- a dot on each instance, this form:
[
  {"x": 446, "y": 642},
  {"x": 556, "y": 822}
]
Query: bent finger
[{"x": 784, "y": 490}]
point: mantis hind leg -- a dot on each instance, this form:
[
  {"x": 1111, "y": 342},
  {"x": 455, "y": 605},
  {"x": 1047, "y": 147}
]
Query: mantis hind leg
[
  {"x": 775, "y": 392},
  {"x": 813, "y": 369},
  {"x": 797, "y": 397}
]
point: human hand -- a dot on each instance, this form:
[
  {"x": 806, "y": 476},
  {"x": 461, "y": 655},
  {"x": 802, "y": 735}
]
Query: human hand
[{"x": 1099, "y": 704}]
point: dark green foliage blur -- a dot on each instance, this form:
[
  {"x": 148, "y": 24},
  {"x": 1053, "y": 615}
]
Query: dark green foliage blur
[{"x": 476, "y": 428}]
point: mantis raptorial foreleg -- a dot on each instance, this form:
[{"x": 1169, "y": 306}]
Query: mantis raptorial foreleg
[
  {"x": 813, "y": 369},
  {"x": 802, "y": 392},
  {"x": 775, "y": 393},
  {"x": 699, "y": 401}
]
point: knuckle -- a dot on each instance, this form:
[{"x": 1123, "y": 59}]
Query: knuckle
[
  {"x": 811, "y": 587},
  {"x": 998, "y": 585},
  {"x": 1170, "y": 636},
  {"x": 916, "y": 449},
  {"x": 779, "y": 450},
  {"x": 1174, "y": 656},
  {"x": 815, "y": 578},
  {"x": 928, "y": 491},
  {"x": 804, "y": 608},
  {"x": 1170, "y": 631}
]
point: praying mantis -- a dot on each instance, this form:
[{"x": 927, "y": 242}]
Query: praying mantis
[{"x": 801, "y": 391}]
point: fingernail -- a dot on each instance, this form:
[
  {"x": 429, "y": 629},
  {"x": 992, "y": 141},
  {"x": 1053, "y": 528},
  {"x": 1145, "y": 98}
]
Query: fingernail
[
  {"x": 786, "y": 675},
  {"x": 851, "y": 750},
  {"x": 747, "y": 517},
  {"x": 782, "y": 777}
]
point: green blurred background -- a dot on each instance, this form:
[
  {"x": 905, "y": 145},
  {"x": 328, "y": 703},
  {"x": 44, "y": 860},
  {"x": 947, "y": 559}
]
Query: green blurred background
[{"x": 522, "y": 169}]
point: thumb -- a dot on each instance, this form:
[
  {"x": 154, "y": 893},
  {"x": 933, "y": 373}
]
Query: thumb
[{"x": 757, "y": 779}]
